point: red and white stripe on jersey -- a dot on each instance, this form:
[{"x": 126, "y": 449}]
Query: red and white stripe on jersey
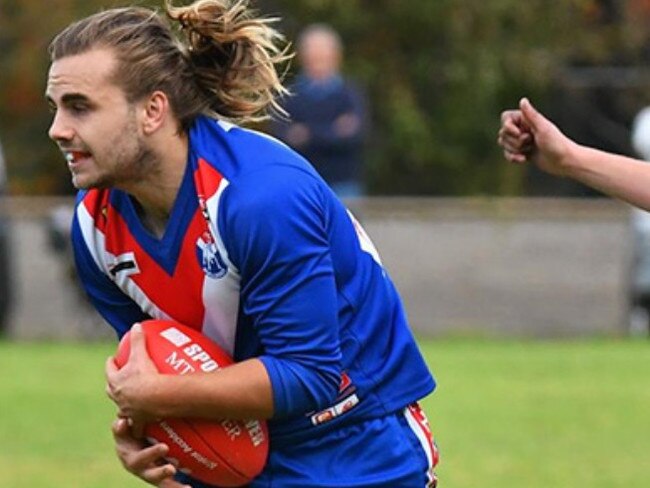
[
  {"x": 188, "y": 295},
  {"x": 94, "y": 237},
  {"x": 419, "y": 423},
  {"x": 222, "y": 295}
]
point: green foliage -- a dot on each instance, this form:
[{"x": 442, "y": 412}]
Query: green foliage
[{"x": 437, "y": 74}]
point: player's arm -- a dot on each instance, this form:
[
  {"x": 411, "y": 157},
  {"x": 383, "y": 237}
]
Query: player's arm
[
  {"x": 242, "y": 390},
  {"x": 142, "y": 460},
  {"x": 125, "y": 387},
  {"x": 281, "y": 248},
  {"x": 526, "y": 135},
  {"x": 279, "y": 245}
]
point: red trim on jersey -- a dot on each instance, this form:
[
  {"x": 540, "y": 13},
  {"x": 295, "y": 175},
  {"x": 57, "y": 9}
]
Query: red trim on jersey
[
  {"x": 97, "y": 204},
  {"x": 345, "y": 382},
  {"x": 178, "y": 295},
  {"x": 209, "y": 181}
]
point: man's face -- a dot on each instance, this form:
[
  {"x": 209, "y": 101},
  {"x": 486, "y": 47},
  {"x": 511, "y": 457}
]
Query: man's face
[
  {"x": 94, "y": 125},
  {"x": 320, "y": 55}
]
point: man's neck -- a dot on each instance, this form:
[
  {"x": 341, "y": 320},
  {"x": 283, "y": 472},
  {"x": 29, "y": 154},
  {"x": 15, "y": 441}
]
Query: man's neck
[
  {"x": 155, "y": 194},
  {"x": 154, "y": 222}
]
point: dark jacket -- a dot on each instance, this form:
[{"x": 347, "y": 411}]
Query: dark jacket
[{"x": 318, "y": 105}]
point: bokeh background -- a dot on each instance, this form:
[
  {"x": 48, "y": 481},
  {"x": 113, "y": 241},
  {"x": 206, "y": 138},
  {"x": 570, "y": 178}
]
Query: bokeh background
[
  {"x": 474, "y": 243},
  {"x": 437, "y": 74}
]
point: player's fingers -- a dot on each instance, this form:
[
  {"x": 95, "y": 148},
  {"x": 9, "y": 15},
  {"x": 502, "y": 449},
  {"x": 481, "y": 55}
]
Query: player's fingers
[
  {"x": 141, "y": 459},
  {"x": 514, "y": 127},
  {"x": 137, "y": 341},
  {"x": 110, "y": 370},
  {"x": 515, "y": 157},
  {"x": 109, "y": 392},
  {"x": 125, "y": 443},
  {"x": 508, "y": 115},
  {"x": 120, "y": 427},
  {"x": 137, "y": 428},
  {"x": 513, "y": 121},
  {"x": 520, "y": 138},
  {"x": 514, "y": 144},
  {"x": 171, "y": 483},
  {"x": 110, "y": 367},
  {"x": 156, "y": 475},
  {"x": 145, "y": 462}
]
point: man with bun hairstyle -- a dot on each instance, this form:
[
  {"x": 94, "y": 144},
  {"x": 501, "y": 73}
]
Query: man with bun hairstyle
[{"x": 183, "y": 214}]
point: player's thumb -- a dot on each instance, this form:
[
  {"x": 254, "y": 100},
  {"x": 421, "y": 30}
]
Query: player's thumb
[
  {"x": 532, "y": 117},
  {"x": 137, "y": 341}
]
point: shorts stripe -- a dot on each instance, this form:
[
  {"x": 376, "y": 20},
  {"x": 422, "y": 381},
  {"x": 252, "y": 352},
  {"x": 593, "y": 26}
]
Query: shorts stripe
[{"x": 419, "y": 424}]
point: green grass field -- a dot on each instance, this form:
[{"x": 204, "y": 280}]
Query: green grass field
[{"x": 506, "y": 414}]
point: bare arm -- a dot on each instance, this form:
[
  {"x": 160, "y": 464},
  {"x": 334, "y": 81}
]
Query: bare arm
[
  {"x": 526, "y": 135},
  {"x": 240, "y": 391},
  {"x": 618, "y": 176}
]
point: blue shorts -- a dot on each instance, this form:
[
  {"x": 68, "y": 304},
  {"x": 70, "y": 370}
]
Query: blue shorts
[{"x": 396, "y": 451}]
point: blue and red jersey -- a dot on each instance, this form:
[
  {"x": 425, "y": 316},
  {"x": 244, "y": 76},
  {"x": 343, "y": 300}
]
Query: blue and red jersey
[{"x": 260, "y": 256}]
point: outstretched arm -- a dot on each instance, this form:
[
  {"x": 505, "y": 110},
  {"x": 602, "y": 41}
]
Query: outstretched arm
[{"x": 526, "y": 135}]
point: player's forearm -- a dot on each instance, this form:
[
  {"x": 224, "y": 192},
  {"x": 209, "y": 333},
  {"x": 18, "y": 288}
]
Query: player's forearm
[
  {"x": 241, "y": 391},
  {"x": 618, "y": 176}
]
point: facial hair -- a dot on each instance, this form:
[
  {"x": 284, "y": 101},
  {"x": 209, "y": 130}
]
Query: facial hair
[{"x": 128, "y": 160}]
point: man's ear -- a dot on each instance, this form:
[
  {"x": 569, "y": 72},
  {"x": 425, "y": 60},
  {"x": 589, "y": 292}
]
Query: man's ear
[{"x": 155, "y": 111}]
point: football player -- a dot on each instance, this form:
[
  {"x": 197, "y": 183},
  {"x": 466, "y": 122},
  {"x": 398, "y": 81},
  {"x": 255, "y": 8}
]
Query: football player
[{"x": 183, "y": 214}]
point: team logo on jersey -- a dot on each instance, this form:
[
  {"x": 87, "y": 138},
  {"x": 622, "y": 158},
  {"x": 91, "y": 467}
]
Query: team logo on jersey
[{"x": 209, "y": 257}]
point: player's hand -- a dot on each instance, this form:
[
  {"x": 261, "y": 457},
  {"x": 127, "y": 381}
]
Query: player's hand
[
  {"x": 131, "y": 386},
  {"x": 526, "y": 135},
  {"x": 145, "y": 462}
]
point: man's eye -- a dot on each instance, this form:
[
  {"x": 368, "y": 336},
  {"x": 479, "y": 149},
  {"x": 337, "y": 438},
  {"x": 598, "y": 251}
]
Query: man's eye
[{"x": 79, "y": 108}]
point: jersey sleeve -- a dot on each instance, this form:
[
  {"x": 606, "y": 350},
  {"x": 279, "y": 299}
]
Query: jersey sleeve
[
  {"x": 114, "y": 306},
  {"x": 274, "y": 223}
]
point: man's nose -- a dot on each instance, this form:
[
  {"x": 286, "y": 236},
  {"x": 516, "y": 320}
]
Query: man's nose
[{"x": 59, "y": 129}]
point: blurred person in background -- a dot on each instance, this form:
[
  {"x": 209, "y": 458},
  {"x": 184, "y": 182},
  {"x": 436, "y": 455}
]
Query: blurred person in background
[
  {"x": 327, "y": 113},
  {"x": 6, "y": 275},
  {"x": 639, "y": 272}
]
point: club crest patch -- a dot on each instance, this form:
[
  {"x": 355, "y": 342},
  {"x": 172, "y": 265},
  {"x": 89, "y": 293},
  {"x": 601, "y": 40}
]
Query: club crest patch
[{"x": 209, "y": 257}]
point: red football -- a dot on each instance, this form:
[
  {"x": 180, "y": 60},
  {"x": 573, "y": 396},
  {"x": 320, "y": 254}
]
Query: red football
[{"x": 217, "y": 452}]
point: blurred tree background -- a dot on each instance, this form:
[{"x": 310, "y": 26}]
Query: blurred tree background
[{"x": 437, "y": 74}]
